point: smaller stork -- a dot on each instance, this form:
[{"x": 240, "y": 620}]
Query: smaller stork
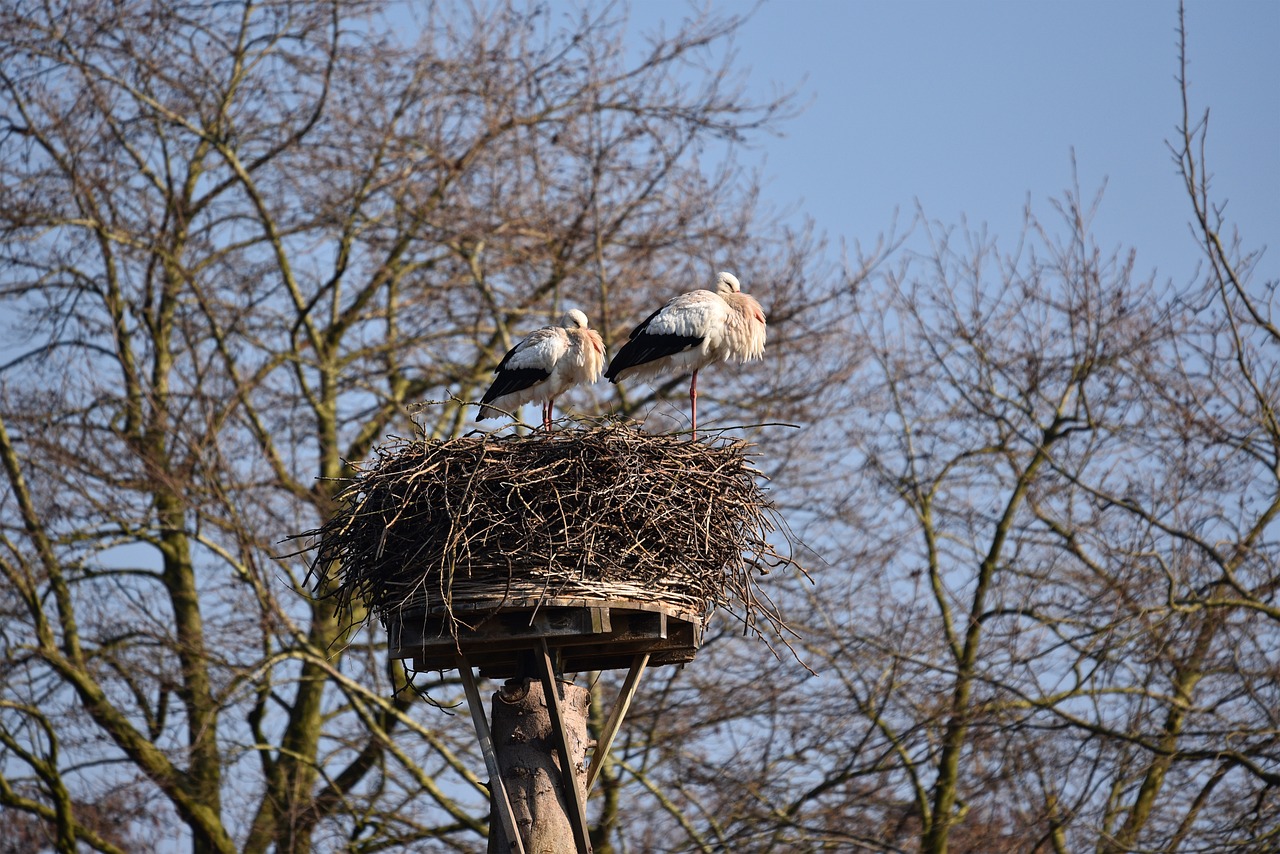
[
  {"x": 692, "y": 331},
  {"x": 546, "y": 363}
]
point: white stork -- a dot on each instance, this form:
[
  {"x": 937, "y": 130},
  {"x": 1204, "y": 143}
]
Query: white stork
[
  {"x": 546, "y": 363},
  {"x": 692, "y": 331}
]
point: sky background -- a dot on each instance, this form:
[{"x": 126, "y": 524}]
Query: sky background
[{"x": 971, "y": 109}]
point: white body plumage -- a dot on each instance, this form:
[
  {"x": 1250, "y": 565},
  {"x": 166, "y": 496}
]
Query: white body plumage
[
  {"x": 548, "y": 362},
  {"x": 692, "y": 331}
]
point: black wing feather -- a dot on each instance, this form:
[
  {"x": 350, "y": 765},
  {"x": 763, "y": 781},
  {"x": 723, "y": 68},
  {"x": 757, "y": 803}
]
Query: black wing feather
[
  {"x": 507, "y": 381},
  {"x": 645, "y": 347}
]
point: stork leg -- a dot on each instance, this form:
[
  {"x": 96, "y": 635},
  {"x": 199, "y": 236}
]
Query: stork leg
[{"x": 693, "y": 403}]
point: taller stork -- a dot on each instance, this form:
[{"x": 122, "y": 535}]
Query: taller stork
[{"x": 692, "y": 331}]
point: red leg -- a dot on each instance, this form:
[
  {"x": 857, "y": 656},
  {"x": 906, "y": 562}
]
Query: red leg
[{"x": 693, "y": 403}]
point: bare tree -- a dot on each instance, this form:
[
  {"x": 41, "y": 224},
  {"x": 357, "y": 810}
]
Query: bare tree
[{"x": 1037, "y": 491}]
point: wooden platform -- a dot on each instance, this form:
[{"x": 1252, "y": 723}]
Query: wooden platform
[{"x": 584, "y": 634}]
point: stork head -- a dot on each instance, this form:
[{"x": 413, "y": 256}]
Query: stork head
[
  {"x": 574, "y": 319},
  {"x": 727, "y": 283}
]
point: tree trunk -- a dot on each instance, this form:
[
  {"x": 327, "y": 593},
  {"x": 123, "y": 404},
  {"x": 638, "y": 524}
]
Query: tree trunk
[{"x": 525, "y": 745}]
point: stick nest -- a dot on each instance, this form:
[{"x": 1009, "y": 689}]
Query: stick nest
[{"x": 598, "y": 514}]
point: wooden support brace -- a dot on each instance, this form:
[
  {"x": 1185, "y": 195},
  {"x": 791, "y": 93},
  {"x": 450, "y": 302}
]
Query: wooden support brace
[
  {"x": 501, "y": 803},
  {"x": 574, "y": 798},
  {"x": 614, "y": 723}
]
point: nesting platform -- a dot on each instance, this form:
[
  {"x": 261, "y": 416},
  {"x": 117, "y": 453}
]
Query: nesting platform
[
  {"x": 584, "y": 635},
  {"x": 605, "y": 542}
]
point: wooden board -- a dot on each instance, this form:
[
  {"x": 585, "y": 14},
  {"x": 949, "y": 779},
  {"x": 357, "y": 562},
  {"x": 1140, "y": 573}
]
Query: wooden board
[{"x": 585, "y": 635}]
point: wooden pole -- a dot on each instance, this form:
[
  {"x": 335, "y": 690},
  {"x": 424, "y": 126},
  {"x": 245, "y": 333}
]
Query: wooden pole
[{"x": 536, "y": 761}]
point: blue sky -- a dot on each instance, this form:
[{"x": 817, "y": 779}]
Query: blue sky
[{"x": 972, "y": 108}]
